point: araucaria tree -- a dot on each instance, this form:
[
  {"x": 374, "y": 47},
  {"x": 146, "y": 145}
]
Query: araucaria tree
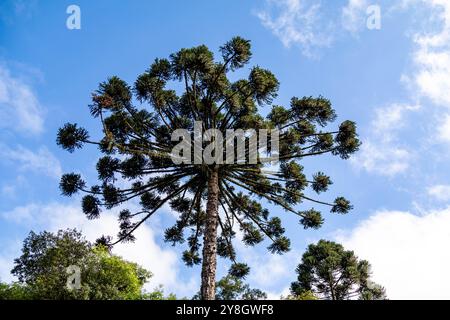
[
  {"x": 212, "y": 199},
  {"x": 333, "y": 273}
]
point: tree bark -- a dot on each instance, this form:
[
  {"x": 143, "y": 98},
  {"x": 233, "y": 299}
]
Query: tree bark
[{"x": 208, "y": 288}]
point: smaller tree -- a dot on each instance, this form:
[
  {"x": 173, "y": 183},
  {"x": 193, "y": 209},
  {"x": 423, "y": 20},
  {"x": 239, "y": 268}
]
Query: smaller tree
[
  {"x": 328, "y": 271},
  {"x": 158, "y": 294},
  {"x": 41, "y": 270},
  {"x": 15, "y": 291},
  {"x": 305, "y": 295},
  {"x": 233, "y": 287}
]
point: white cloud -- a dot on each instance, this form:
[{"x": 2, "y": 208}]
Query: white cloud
[
  {"x": 20, "y": 109},
  {"x": 388, "y": 120},
  {"x": 430, "y": 77},
  {"x": 271, "y": 295},
  {"x": 10, "y": 188},
  {"x": 300, "y": 22},
  {"x": 8, "y": 252},
  {"x": 279, "y": 267},
  {"x": 163, "y": 263},
  {"x": 381, "y": 152},
  {"x": 40, "y": 161},
  {"x": 431, "y": 60},
  {"x": 382, "y": 159},
  {"x": 440, "y": 192},
  {"x": 267, "y": 270},
  {"x": 309, "y": 25},
  {"x": 444, "y": 129},
  {"x": 5, "y": 268},
  {"x": 354, "y": 15},
  {"x": 409, "y": 253},
  {"x": 8, "y": 191},
  {"x": 297, "y": 22},
  {"x": 433, "y": 76}
]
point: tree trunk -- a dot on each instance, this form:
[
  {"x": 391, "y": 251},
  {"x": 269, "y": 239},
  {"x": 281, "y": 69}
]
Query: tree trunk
[{"x": 208, "y": 288}]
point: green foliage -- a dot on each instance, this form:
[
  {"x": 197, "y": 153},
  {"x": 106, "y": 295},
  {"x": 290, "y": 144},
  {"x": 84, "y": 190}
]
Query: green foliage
[
  {"x": 312, "y": 219},
  {"x": 136, "y": 145},
  {"x": 328, "y": 271},
  {"x": 41, "y": 270},
  {"x": 48, "y": 255},
  {"x": 71, "y": 184},
  {"x": 158, "y": 294},
  {"x": 239, "y": 270},
  {"x": 115, "y": 278},
  {"x": 231, "y": 287},
  {"x": 72, "y": 137},
  {"x": 305, "y": 295},
  {"x": 15, "y": 291}
]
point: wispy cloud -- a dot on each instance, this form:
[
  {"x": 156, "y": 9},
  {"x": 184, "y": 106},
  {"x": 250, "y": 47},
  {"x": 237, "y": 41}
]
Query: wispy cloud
[
  {"x": 432, "y": 55},
  {"x": 430, "y": 74},
  {"x": 20, "y": 109},
  {"x": 354, "y": 15},
  {"x": 312, "y": 26},
  {"x": 440, "y": 192},
  {"x": 10, "y": 9},
  {"x": 298, "y": 23},
  {"x": 41, "y": 161},
  {"x": 443, "y": 129},
  {"x": 8, "y": 252},
  {"x": 390, "y": 119},
  {"x": 387, "y": 159},
  {"x": 428, "y": 82},
  {"x": 381, "y": 152}
]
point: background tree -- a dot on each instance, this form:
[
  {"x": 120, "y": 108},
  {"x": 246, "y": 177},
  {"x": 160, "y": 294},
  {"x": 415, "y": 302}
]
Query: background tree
[
  {"x": 304, "y": 295},
  {"x": 331, "y": 272},
  {"x": 41, "y": 270},
  {"x": 136, "y": 146},
  {"x": 231, "y": 287},
  {"x": 15, "y": 291}
]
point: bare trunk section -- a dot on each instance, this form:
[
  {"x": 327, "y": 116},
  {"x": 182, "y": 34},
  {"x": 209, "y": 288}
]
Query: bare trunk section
[{"x": 209, "y": 264}]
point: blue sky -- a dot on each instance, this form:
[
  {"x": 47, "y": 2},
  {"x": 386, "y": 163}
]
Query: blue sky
[{"x": 394, "y": 82}]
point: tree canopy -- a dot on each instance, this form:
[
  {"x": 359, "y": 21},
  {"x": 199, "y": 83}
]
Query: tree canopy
[
  {"x": 42, "y": 271},
  {"x": 233, "y": 288},
  {"x": 328, "y": 271}
]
